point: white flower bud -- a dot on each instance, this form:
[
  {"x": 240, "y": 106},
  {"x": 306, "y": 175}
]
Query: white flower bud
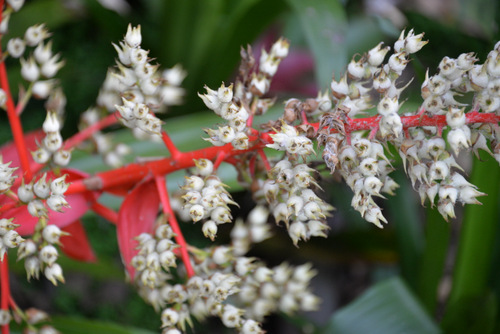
[
  {"x": 5, "y": 317},
  {"x": 62, "y": 157},
  {"x": 16, "y": 47},
  {"x": 57, "y": 203},
  {"x": 457, "y": 139},
  {"x": 231, "y": 316},
  {"x": 29, "y": 70},
  {"x": 398, "y": 62},
  {"x": 377, "y": 54},
  {"x": 54, "y": 273},
  {"x": 41, "y": 188},
  {"x": 439, "y": 170},
  {"x": 455, "y": 117},
  {"x": 280, "y": 48},
  {"x": 50, "y": 68},
  {"x": 368, "y": 167},
  {"x": 43, "y": 52},
  {"x": 35, "y": 34},
  {"x": 36, "y": 208},
  {"x": 413, "y": 43},
  {"x": 51, "y": 233},
  {"x": 448, "y": 193},
  {"x": 209, "y": 229},
  {"x": 133, "y": 37},
  {"x": 374, "y": 215},
  {"x": 51, "y": 123},
  {"x": 225, "y": 94},
  {"x": 25, "y": 192},
  {"x": 48, "y": 254},
  {"x": 372, "y": 185},
  {"x": 297, "y": 231},
  {"x": 169, "y": 318},
  {"x": 259, "y": 85},
  {"x": 32, "y": 267},
  {"x": 42, "y": 89},
  {"x": 356, "y": 69},
  {"x": 53, "y": 141},
  {"x": 388, "y": 106},
  {"x": 26, "y": 248},
  {"x": 11, "y": 239}
]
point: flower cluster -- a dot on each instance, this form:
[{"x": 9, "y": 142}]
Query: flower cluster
[
  {"x": 138, "y": 90},
  {"x": 51, "y": 148},
  {"x": 255, "y": 230},
  {"x": 205, "y": 198},
  {"x": 288, "y": 139},
  {"x": 291, "y": 200},
  {"x": 35, "y": 194},
  {"x": 40, "y": 254},
  {"x": 6, "y": 176},
  {"x": 153, "y": 263},
  {"x": 235, "y": 113},
  {"x": 238, "y": 106}
]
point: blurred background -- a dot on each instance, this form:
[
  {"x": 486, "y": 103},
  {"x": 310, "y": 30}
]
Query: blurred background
[{"x": 379, "y": 279}]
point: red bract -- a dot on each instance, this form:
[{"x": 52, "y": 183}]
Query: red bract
[
  {"x": 79, "y": 204},
  {"x": 137, "y": 215},
  {"x": 76, "y": 245}
]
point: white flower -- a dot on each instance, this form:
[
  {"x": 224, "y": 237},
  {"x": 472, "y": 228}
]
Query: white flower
[
  {"x": 29, "y": 70},
  {"x": 133, "y": 37},
  {"x": 16, "y": 47},
  {"x": 15, "y": 4},
  {"x": 54, "y": 273}
]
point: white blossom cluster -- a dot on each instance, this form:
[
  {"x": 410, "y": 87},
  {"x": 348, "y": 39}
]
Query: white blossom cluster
[
  {"x": 234, "y": 112},
  {"x": 8, "y": 237},
  {"x": 237, "y": 105},
  {"x": 288, "y": 139},
  {"x": 138, "y": 89},
  {"x": 51, "y": 147},
  {"x": 40, "y": 254},
  {"x": 41, "y": 194},
  {"x": 153, "y": 264},
  {"x": 42, "y": 65},
  {"x": 291, "y": 200},
  {"x": 205, "y": 198},
  {"x": 6, "y": 175}
]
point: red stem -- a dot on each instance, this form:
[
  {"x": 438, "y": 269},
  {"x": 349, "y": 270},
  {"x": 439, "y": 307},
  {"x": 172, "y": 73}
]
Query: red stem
[
  {"x": 167, "y": 210},
  {"x": 131, "y": 174},
  {"x": 105, "y": 212},
  {"x": 169, "y": 144},
  {"x": 4, "y": 289},
  {"x": 89, "y": 131}
]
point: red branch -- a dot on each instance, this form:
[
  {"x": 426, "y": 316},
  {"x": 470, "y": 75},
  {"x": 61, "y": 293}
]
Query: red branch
[
  {"x": 4, "y": 288},
  {"x": 105, "y": 212},
  {"x": 89, "y": 131},
  {"x": 179, "y": 237},
  {"x": 131, "y": 174}
]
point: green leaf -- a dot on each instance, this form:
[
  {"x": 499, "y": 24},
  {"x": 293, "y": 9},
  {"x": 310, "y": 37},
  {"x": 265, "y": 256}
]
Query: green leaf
[
  {"x": 71, "y": 325},
  {"x": 389, "y": 307},
  {"x": 325, "y": 27}
]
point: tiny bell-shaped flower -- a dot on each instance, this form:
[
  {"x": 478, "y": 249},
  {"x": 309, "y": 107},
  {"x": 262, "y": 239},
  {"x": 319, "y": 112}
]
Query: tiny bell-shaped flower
[
  {"x": 42, "y": 89},
  {"x": 377, "y": 54},
  {"x": 133, "y": 37},
  {"x": 57, "y": 203},
  {"x": 41, "y": 188},
  {"x": 280, "y": 48},
  {"x": 54, "y": 273},
  {"x": 62, "y": 157},
  {"x": 32, "y": 267},
  {"x": 16, "y": 47},
  {"x": 457, "y": 139},
  {"x": 209, "y": 229},
  {"x": 29, "y": 70},
  {"x": 15, "y": 4},
  {"x": 413, "y": 43},
  {"x": 51, "y": 233},
  {"x": 51, "y": 123},
  {"x": 48, "y": 254},
  {"x": 37, "y": 209},
  {"x": 26, "y": 248},
  {"x": 11, "y": 239},
  {"x": 41, "y": 155},
  {"x": 25, "y": 192},
  {"x": 35, "y": 34}
]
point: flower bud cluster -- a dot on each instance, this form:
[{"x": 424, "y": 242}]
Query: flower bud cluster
[
  {"x": 233, "y": 112},
  {"x": 206, "y": 199},
  {"x": 291, "y": 200},
  {"x": 365, "y": 168},
  {"x": 255, "y": 230},
  {"x": 8, "y": 237},
  {"x": 288, "y": 139},
  {"x": 138, "y": 89},
  {"x": 6, "y": 176},
  {"x": 42, "y": 194},
  {"x": 40, "y": 253},
  {"x": 352, "y": 91},
  {"x": 238, "y": 106},
  {"x": 51, "y": 147},
  {"x": 153, "y": 264}
]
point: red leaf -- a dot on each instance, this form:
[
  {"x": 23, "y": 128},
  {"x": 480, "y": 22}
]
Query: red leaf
[
  {"x": 76, "y": 245},
  {"x": 79, "y": 204},
  {"x": 9, "y": 150},
  {"x": 137, "y": 215}
]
